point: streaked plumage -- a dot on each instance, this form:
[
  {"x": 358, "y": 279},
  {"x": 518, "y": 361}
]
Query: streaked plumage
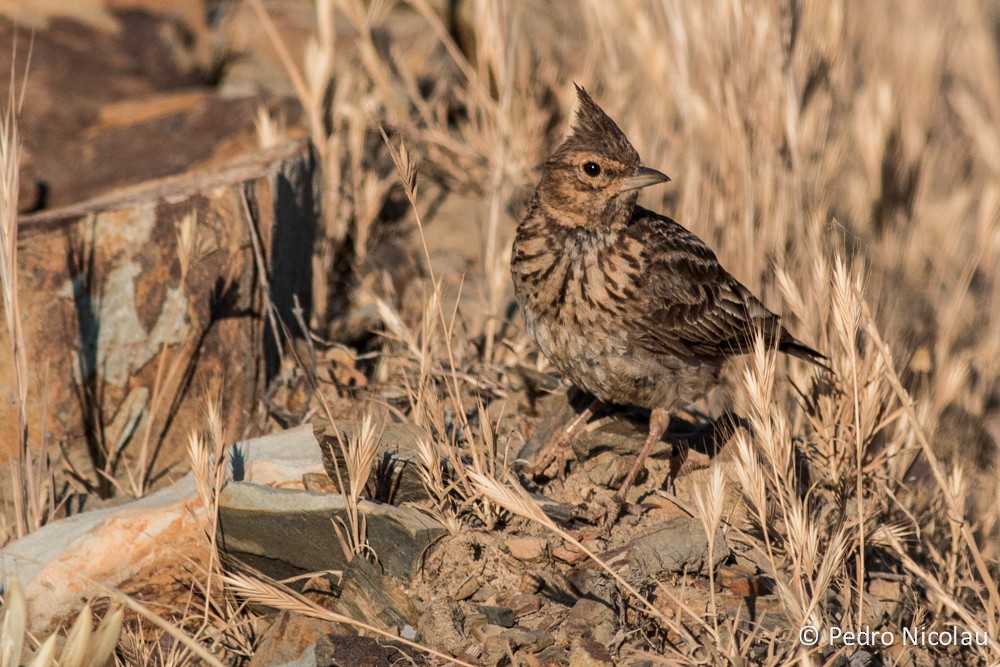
[{"x": 629, "y": 305}]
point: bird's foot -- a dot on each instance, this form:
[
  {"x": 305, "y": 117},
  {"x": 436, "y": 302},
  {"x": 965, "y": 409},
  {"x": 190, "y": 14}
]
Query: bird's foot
[
  {"x": 554, "y": 458},
  {"x": 614, "y": 512},
  {"x": 603, "y": 517},
  {"x": 558, "y": 449}
]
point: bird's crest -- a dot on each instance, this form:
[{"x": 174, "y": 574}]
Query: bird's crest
[{"x": 595, "y": 131}]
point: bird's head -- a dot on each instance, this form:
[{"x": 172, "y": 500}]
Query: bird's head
[{"x": 594, "y": 178}]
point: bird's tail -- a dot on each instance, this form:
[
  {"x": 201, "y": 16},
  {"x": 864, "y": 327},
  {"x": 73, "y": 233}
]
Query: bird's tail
[{"x": 789, "y": 345}]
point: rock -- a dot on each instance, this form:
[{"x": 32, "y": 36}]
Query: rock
[
  {"x": 523, "y": 604},
  {"x": 621, "y": 436},
  {"x": 608, "y": 469},
  {"x": 440, "y": 625},
  {"x": 485, "y": 593},
  {"x": 278, "y": 459},
  {"x": 480, "y": 629},
  {"x": 593, "y": 616},
  {"x": 369, "y": 596},
  {"x": 888, "y": 593},
  {"x": 734, "y": 507},
  {"x": 740, "y": 582},
  {"x": 144, "y": 548},
  {"x": 588, "y": 653},
  {"x": 502, "y": 616},
  {"x": 472, "y": 623},
  {"x": 553, "y": 656},
  {"x": 679, "y": 546},
  {"x": 558, "y": 410},
  {"x": 468, "y": 588},
  {"x": 526, "y": 548},
  {"x": 284, "y": 532},
  {"x": 396, "y": 474},
  {"x": 102, "y": 297},
  {"x": 291, "y": 640},
  {"x": 519, "y": 639},
  {"x": 562, "y": 513},
  {"x": 99, "y": 57},
  {"x": 567, "y": 555}
]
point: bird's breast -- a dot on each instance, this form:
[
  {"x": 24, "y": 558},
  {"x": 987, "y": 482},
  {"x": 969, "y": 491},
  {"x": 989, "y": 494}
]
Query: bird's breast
[{"x": 574, "y": 291}]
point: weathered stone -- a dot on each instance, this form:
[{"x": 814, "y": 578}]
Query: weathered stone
[
  {"x": 567, "y": 555},
  {"x": 395, "y": 477},
  {"x": 143, "y": 547},
  {"x": 593, "y": 616},
  {"x": 679, "y": 546},
  {"x": 502, "y": 616},
  {"x": 740, "y": 582},
  {"x": 557, "y": 411},
  {"x": 352, "y": 651},
  {"x": 291, "y": 640},
  {"x": 284, "y": 532},
  {"x": 526, "y": 548},
  {"x": 468, "y": 588},
  {"x": 277, "y": 459},
  {"x": 90, "y": 60},
  {"x": 524, "y": 603},
  {"x": 690, "y": 482},
  {"x": 373, "y": 598},
  {"x": 608, "y": 469},
  {"x": 622, "y": 436},
  {"x": 520, "y": 639}
]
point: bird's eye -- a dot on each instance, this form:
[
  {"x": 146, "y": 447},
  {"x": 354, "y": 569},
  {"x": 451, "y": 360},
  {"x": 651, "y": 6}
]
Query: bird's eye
[{"x": 591, "y": 169}]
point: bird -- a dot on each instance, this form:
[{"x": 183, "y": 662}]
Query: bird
[{"x": 629, "y": 305}]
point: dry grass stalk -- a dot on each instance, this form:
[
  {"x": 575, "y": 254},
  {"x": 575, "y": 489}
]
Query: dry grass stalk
[
  {"x": 359, "y": 454},
  {"x": 29, "y": 485}
]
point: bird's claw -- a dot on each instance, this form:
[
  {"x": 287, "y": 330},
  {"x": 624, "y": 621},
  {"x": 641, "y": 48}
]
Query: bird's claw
[
  {"x": 618, "y": 504},
  {"x": 558, "y": 454}
]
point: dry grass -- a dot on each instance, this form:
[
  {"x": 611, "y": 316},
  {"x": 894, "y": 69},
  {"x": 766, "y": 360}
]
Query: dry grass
[
  {"x": 797, "y": 135},
  {"x": 841, "y": 158}
]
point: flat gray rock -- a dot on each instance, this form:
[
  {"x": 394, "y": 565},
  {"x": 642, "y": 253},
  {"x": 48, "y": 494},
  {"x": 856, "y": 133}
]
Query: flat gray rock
[{"x": 283, "y": 532}]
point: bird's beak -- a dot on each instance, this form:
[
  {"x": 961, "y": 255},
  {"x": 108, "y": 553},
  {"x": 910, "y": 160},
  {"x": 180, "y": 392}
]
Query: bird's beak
[{"x": 643, "y": 179}]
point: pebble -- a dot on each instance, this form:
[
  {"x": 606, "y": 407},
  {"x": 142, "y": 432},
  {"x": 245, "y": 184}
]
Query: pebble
[
  {"x": 468, "y": 588},
  {"x": 526, "y": 548},
  {"x": 567, "y": 555},
  {"x": 502, "y": 616}
]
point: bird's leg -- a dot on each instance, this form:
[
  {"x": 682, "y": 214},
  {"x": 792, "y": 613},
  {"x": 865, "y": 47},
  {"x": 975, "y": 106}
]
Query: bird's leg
[
  {"x": 558, "y": 446},
  {"x": 658, "y": 421}
]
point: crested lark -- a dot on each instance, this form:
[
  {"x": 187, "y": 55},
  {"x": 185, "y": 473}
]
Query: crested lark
[{"x": 629, "y": 305}]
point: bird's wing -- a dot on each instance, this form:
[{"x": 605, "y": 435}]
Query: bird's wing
[{"x": 693, "y": 307}]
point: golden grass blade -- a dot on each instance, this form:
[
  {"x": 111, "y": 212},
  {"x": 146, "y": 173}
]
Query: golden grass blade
[
  {"x": 15, "y": 622},
  {"x": 102, "y": 646},
  {"x": 77, "y": 649},
  {"x": 46, "y": 654}
]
